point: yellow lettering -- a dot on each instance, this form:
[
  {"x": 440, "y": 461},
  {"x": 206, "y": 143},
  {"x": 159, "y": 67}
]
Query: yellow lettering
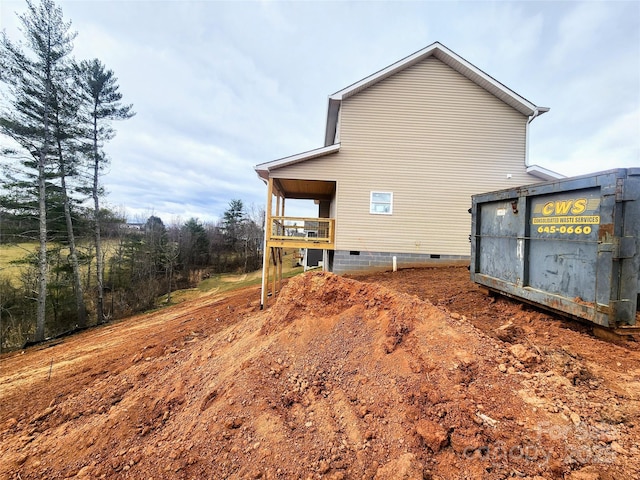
[
  {"x": 579, "y": 206},
  {"x": 563, "y": 206}
]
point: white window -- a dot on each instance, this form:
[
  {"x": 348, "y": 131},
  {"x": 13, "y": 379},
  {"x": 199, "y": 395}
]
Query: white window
[{"x": 381, "y": 203}]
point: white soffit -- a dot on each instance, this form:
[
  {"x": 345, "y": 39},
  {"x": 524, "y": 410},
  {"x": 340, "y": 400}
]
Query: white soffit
[{"x": 543, "y": 173}]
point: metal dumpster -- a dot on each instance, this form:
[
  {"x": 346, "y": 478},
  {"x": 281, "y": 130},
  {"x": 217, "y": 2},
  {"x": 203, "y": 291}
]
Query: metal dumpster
[{"x": 570, "y": 245}]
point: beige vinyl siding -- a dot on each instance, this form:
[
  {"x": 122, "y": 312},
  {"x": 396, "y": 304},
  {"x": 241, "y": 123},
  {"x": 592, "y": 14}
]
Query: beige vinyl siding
[{"x": 433, "y": 138}]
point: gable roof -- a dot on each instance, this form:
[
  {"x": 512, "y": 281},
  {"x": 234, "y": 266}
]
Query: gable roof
[
  {"x": 263, "y": 168},
  {"x": 446, "y": 56},
  {"x": 442, "y": 53}
]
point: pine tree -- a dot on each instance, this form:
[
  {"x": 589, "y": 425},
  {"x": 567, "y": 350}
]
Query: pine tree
[
  {"x": 232, "y": 221},
  {"x": 194, "y": 245},
  {"x": 67, "y": 133},
  {"x": 101, "y": 104},
  {"x": 30, "y": 72}
]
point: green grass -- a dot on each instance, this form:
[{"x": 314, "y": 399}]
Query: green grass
[{"x": 227, "y": 282}]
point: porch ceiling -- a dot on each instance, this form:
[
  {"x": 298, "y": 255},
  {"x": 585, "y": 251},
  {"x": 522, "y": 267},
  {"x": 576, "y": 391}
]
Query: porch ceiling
[{"x": 305, "y": 189}]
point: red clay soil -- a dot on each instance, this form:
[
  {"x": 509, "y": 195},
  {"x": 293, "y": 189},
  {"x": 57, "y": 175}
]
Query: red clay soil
[{"x": 408, "y": 375}]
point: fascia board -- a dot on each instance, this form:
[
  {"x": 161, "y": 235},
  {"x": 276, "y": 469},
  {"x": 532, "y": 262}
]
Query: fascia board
[
  {"x": 544, "y": 173},
  {"x": 384, "y": 73},
  {"x": 456, "y": 62},
  {"x": 333, "y": 109},
  {"x": 486, "y": 81},
  {"x": 263, "y": 169}
]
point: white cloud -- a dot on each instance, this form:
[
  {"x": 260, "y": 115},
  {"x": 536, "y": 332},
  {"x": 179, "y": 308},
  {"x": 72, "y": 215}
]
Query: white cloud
[
  {"x": 580, "y": 31},
  {"x": 607, "y": 148},
  {"x": 500, "y": 34},
  {"x": 221, "y": 86}
]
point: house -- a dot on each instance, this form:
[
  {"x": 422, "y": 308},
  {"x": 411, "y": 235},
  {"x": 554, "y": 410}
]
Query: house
[
  {"x": 132, "y": 227},
  {"x": 404, "y": 150}
]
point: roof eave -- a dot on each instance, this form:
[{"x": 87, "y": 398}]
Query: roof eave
[
  {"x": 544, "y": 173},
  {"x": 263, "y": 169},
  {"x": 333, "y": 109},
  {"x": 385, "y": 72},
  {"x": 451, "y": 59}
]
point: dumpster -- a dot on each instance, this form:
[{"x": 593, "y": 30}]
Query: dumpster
[{"x": 571, "y": 246}]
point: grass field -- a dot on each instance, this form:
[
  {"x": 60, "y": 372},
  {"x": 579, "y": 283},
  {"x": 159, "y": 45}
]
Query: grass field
[
  {"x": 10, "y": 255},
  {"x": 218, "y": 283},
  {"x": 221, "y": 283}
]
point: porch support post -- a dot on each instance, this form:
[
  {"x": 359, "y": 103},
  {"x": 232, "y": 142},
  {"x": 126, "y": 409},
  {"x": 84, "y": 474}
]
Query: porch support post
[
  {"x": 281, "y": 251},
  {"x": 266, "y": 250},
  {"x": 274, "y": 250},
  {"x": 274, "y": 280}
]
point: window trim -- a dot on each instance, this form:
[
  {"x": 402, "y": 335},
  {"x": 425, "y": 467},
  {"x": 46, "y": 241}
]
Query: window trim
[{"x": 372, "y": 203}]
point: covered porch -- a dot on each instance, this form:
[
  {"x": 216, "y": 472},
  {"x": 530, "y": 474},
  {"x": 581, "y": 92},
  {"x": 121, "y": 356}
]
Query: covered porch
[{"x": 294, "y": 232}]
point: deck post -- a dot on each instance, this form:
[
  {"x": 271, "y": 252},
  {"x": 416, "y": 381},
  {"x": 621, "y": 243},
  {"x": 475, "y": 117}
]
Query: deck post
[
  {"x": 274, "y": 256},
  {"x": 280, "y": 250},
  {"x": 266, "y": 250}
]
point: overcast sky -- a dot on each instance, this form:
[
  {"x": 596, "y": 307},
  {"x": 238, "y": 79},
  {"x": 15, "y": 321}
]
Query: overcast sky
[{"x": 219, "y": 87}]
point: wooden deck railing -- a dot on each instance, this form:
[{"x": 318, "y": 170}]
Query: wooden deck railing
[{"x": 301, "y": 232}]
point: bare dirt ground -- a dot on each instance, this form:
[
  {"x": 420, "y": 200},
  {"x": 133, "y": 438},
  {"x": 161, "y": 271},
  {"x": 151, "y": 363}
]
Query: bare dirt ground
[{"x": 408, "y": 375}]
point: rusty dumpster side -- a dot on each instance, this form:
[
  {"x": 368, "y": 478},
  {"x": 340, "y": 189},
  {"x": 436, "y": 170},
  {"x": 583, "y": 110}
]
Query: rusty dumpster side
[{"x": 569, "y": 245}]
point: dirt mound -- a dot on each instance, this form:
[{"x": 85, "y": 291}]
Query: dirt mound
[
  {"x": 324, "y": 295},
  {"x": 338, "y": 379}
]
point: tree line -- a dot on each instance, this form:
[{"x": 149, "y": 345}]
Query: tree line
[
  {"x": 88, "y": 267},
  {"x": 145, "y": 262}
]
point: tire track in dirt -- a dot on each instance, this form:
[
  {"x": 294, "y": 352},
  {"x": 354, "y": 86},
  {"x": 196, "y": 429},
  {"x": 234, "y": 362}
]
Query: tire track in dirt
[{"x": 337, "y": 379}]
